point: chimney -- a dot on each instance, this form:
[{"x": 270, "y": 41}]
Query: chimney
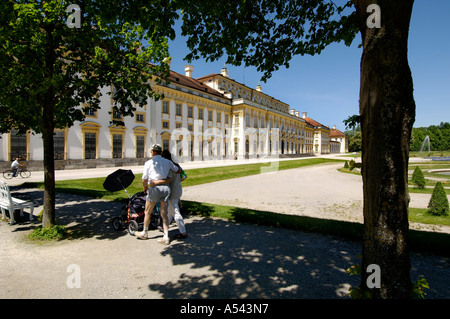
[
  {"x": 297, "y": 113},
  {"x": 188, "y": 69},
  {"x": 292, "y": 111},
  {"x": 259, "y": 88},
  {"x": 334, "y": 127},
  {"x": 224, "y": 72},
  {"x": 304, "y": 114}
]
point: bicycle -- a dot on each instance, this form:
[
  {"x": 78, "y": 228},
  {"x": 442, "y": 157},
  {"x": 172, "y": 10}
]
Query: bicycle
[{"x": 22, "y": 171}]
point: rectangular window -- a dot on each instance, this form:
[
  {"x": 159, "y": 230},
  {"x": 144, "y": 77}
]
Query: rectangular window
[
  {"x": 117, "y": 146},
  {"x": 226, "y": 118},
  {"x": 200, "y": 114},
  {"x": 178, "y": 109},
  {"x": 218, "y": 117},
  {"x": 89, "y": 111},
  {"x": 140, "y": 117},
  {"x": 165, "y": 109},
  {"x": 18, "y": 146},
  {"x": 165, "y": 145},
  {"x": 140, "y": 146},
  {"x": 58, "y": 145},
  {"x": 165, "y": 124},
  {"x": 210, "y": 116},
  {"x": 89, "y": 145},
  {"x": 190, "y": 112}
]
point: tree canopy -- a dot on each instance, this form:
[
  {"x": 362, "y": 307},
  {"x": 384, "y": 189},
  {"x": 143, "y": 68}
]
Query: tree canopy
[
  {"x": 45, "y": 62},
  {"x": 265, "y": 34}
]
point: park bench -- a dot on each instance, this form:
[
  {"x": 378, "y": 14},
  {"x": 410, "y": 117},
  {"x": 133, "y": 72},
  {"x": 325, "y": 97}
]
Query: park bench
[{"x": 7, "y": 202}]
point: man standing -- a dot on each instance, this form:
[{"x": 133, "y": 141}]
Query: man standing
[{"x": 157, "y": 168}]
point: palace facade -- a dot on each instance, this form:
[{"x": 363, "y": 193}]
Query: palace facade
[{"x": 211, "y": 117}]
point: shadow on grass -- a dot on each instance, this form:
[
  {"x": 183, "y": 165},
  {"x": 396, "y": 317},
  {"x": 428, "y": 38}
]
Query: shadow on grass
[{"x": 83, "y": 216}]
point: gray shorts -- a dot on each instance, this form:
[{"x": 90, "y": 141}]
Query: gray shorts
[{"x": 158, "y": 193}]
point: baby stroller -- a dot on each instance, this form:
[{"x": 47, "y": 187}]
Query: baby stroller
[{"x": 132, "y": 215}]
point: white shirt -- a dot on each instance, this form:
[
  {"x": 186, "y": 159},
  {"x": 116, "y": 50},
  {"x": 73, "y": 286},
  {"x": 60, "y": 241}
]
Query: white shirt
[
  {"x": 14, "y": 164},
  {"x": 158, "y": 168}
]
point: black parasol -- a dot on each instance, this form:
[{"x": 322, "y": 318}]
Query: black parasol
[{"x": 118, "y": 180}]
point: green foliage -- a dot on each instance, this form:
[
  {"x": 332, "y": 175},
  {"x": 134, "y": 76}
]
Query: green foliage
[
  {"x": 357, "y": 292},
  {"x": 354, "y": 134},
  {"x": 346, "y": 164},
  {"x": 439, "y": 137},
  {"x": 55, "y": 232},
  {"x": 438, "y": 204},
  {"x": 355, "y": 143},
  {"x": 419, "y": 287},
  {"x": 418, "y": 290},
  {"x": 353, "y": 122},
  {"x": 418, "y": 179}
]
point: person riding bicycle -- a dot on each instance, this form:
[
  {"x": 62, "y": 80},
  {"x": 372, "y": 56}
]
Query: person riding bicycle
[{"x": 15, "y": 166}]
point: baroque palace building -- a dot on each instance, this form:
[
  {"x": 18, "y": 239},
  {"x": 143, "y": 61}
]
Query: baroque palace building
[{"x": 211, "y": 117}]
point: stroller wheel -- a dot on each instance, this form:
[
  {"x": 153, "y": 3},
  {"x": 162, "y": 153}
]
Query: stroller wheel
[
  {"x": 117, "y": 225},
  {"x": 133, "y": 227}
]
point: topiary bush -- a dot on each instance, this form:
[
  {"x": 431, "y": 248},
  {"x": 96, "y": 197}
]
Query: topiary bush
[
  {"x": 418, "y": 179},
  {"x": 438, "y": 204}
]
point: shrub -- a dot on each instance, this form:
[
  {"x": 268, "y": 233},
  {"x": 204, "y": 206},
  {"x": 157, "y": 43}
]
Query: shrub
[
  {"x": 346, "y": 164},
  {"x": 418, "y": 179},
  {"x": 54, "y": 232},
  {"x": 438, "y": 204}
]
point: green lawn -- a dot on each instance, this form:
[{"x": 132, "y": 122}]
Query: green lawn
[
  {"x": 420, "y": 215},
  {"x": 94, "y": 186},
  {"x": 430, "y": 183}
]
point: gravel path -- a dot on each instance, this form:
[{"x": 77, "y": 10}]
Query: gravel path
[
  {"x": 317, "y": 191},
  {"x": 219, "y": 259}
]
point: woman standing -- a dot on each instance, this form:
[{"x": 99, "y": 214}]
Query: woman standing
[{"x": 175, "y": 195}]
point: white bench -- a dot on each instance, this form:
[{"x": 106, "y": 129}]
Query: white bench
[{"x": 11, "y": 203}]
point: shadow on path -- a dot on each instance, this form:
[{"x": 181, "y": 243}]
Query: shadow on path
[{"x": 248, "y": 261}]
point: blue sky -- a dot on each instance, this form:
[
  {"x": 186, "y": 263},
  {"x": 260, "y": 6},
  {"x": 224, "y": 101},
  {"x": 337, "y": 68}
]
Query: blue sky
[{"x": 327, "y": 85}]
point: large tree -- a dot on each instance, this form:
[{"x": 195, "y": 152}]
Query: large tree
[
  {"x": 55, "y": 57},
  {"x": 266, "y": 34}
]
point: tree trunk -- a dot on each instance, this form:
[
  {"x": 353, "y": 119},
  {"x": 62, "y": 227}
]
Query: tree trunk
[
  {"x": 48, "y": 127},
  {"x": 387, "y": 110},
  {"x": 48, "y": 219}
]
